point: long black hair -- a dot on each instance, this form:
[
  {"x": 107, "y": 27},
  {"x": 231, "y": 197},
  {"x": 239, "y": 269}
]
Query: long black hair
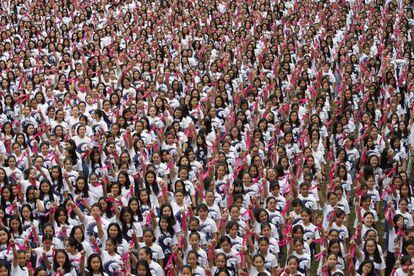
[
  {"x": 377, "y": 257},
  {"x": 366, "y": 261},
  {"x": 66, "y": 266},
  {"x": 145, "y": 264},
  {"x": 89, "y": 265}
]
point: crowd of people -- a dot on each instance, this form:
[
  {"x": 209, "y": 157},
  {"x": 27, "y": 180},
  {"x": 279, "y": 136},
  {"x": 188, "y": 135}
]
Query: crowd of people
[{"x": 206, "y": 137}]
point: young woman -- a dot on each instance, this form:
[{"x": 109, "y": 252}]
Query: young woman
[
  {"x": 370, "y": 252},
  {"x": 62, "y": 264}
]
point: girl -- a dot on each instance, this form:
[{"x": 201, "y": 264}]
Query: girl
[
  {"x": 153, "y": 189},
  {"x": 220, "y": 265},
  {"x": 82, "y": 192},
  {"x": 56, "y": 241},
  {"x": 16, "y": 230},
  {"x": 61, "y": 263},
  {"x": 181, "y": 198},
  {"x": 167, "y": 211},
  {"x": 78, "y": 235},
  {"x": 44, "y": 254},
  {"x": 194, "y": 242},
  {"x": 143, "y": 268},
  {"x": 112, "y": 261},
  {"x": 60, "y": 222},
  {"x": 71, "y": 247},
  {"x": 28, "y": 222},
  {"x": 304, "y": 259},
  {"x": 236, "y": 241},
  {"x": 107, "y": 207},
  {"x": 19, "y": 266},
  {"x": 291, "y": 268},
  {"x": 269, "y": 258},
  {"x": 370, "y": 252},
  {"x": 310, "y": 231},
  {"x": 368, "y": 223},
  {"x": 405, "y": 191},
  {"x": 366, "y": 268},
  {"x": 5, "y": 255},
  {"x": 403, "y": 210},
  {"x": 149, "y": 241},
  {"x": 266, "y": 231},
  {"x": 394, "y": 241},
  {"x": 207, "y": 225},
  {"x": 221, "y": 180},
  {"x": 145, "y": 205},
  {"x": 133, "y": 205},
  {"x": 56, "y": 178},
  {"x": 373, "y": 193},
  {"x": 232, "y": 256},
  {"x": 6, "y": 201},
  {"x": 335, "y": 247},
  {"x": 256, "y": 265},
  {"x": 260, "y": 217},
  {"x": 114, "y": 231},
  {"x": 331, "y": 264},
  {"x": 130, "y": 227},
  {"x": 165, "y": 236},
  {"x": 46, "y": 198},
  {"x": 192, "y": 260}
]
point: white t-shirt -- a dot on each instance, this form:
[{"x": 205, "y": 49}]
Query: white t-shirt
[
  {"x": 156, "y": 269},
  {"x": 111, "y": 264},
  {"x": 20, "y": 271},
  {"x": 377, "y": 266},
  {"x": 157, "y": 252}
]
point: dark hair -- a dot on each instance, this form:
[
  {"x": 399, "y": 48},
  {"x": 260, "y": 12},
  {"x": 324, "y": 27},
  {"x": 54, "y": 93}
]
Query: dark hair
[
  {"x": 139, "y": 214},
  {"x": 145, "y": 264},
  {"x": 366, "y": 261},
  {"x": 395, "y": 219},
  {"x": 118, "y": 238},
  {"x": 125, "y": 227},
  {"x": 89, "y": 265},
  {"x": 20, "y": 228},
  {"x": 85, "y": 191},
  {"x": 50, "y": 193},
  {"x": 72, "y": 232},
  {"x": 170, "y": 228},
  {"x": 59, "y": 179},
  {"x": 3, "y": 201},
  {"x": 66, "y": 266},
  {"x": 377, "y": 257},
  {"x": 59, "y": 209},
  {"x": 332, "y": 242},
  {"x": 147, "y": 251},
  {"x": 3, "y": 264}
]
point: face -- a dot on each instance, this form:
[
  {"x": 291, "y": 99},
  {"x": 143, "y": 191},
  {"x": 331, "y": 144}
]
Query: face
[
  {"x": 194, "y": 240},
  {"x": 110, "y": 247},
  {"x": 370, "y": 247},
  {"x": 95, "y": 263},
  {"x": 148, "y": 237},
  {"x": 192, "y": 259},
  {"x": 292, "y": 265},
  {"x": 258, "y": 263},
  {"x": 142, "y": 270},
  {"x": 3, "y": 237},
  {"x": 332, "y": 260},
  {"x": 134, "y": 206},
  {"x": 4, "y": 271},
  {"x": 78, "y": 235},
  {"x": 60, "y": 258},
  {"x": 367, "y": 268}
]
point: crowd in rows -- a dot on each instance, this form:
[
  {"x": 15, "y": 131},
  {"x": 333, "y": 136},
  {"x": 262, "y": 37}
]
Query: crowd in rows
[{"x": 206, "y": 137}]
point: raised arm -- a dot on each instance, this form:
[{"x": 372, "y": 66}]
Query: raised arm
[{"x": 77, "y": 211}]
